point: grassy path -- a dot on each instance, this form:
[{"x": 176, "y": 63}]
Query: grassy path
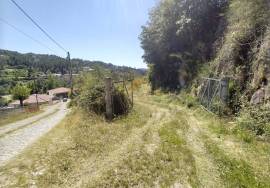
[{"x": 160, "y": 144}]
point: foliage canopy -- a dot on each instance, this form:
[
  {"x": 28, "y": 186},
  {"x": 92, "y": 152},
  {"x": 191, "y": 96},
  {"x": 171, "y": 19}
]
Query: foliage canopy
[
  {"x": 178, "y": 37},
  {"x": 20, "y": 92}
]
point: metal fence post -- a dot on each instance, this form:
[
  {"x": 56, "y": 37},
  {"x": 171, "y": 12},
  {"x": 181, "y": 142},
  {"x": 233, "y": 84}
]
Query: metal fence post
[{"x": 108, "y": 98}]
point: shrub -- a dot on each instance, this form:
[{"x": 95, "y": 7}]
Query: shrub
[
  {"x": 188, "y": 99},
  {"x": 137, "y": 83},
  {"x": 72, "y": 102},
  {"x": 121, "y": 103},
  {"x": 256, "y": 119},
  {"x": 93, "y": 100},
  {"x": 3, "y": 101}
]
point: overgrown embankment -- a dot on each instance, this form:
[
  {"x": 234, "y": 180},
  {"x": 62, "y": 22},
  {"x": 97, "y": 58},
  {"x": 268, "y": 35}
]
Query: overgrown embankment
[
  {"x": 244, "y": 53},
  {"x": 185, "y": 41}
]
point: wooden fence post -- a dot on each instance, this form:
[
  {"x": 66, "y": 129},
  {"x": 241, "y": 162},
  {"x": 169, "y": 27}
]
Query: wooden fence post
[
  {"x": 224, "y": 90},
  {"x": 108, "y": 98},
  {"x": 132, "y": 93}
]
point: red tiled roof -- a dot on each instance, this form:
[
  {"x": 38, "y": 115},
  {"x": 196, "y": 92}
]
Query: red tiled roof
[
  {"x": 59, "y": 90},
  {"x": 40, "y": 97}
]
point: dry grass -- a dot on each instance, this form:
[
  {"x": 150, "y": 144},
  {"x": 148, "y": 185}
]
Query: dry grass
[
  {"x": 160, "y": 144},
  {"x": 169, "y": 162},
  {"x": 17, "y": 117}
]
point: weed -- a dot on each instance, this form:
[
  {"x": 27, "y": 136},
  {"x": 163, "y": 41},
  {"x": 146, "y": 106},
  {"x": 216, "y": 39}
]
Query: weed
[
  {"x": 17, "y": 117},
  {"x": 171, "y": 162},
  {"x": 236, "y": 173},
  {"x": 255, "y": 118},
  {"x": 147, "y": 148}
]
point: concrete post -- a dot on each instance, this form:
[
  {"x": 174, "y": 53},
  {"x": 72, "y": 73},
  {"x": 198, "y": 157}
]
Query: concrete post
[
  {"x": 108, "y": 99},
  {"x": 224, "y": 90}
]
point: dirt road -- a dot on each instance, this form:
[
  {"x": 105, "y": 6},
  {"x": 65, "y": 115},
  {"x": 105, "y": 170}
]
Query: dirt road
[{"x": 15, "y": 137}]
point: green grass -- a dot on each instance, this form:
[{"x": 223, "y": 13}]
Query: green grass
[
  {"x": 152, "y": 146},
  {"x": 171, "y": 162},
  {"x": 235, "y": 173},
  {"x": 251, "y": 171},
  {"x": 7, "y": 97},
  {"x": 91, "y": 137},
  {"x": 17, "y": 117}
]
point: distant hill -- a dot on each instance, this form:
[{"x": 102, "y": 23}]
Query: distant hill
[
  {"x": 56, "y": 64},
  {"x": 17, "y": 67}
]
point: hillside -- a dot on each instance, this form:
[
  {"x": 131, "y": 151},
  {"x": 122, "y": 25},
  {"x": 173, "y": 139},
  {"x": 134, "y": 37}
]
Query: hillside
[
  {"x": 55, "y": 64},
  {"x": 17, "y": 67},
  {"x": 187, "y": 40}
]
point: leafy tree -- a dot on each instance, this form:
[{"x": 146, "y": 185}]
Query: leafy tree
[
  {"x": 52, "y": 82},
  {"x": 179, "y": 36},
  {"x": 3, "y": 101},
  {"x": 20, "y": 92}
]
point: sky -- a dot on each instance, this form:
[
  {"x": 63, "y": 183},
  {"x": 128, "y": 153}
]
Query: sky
[{"x": 105, "y": 30}]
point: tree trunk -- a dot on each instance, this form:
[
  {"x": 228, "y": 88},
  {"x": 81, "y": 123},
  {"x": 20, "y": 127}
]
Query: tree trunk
[{"x": 21, "y": 102}]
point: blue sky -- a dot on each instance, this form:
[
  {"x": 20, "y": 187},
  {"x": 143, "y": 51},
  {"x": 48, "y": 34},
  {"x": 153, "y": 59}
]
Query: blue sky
[{"x": 105, "y": 30}]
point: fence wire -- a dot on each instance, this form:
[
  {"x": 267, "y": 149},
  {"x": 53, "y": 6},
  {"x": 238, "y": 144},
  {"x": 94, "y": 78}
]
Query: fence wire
[{"x": 211, "y": 94}]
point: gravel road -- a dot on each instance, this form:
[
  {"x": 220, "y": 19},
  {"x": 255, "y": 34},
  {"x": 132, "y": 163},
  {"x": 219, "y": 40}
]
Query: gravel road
[{"x": 15, "y": 137}]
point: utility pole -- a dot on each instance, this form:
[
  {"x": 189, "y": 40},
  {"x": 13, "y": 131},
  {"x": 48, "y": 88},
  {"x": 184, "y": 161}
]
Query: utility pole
[
  {"x": 70, "y": 73},
  {"x": 36, "y": 91}
]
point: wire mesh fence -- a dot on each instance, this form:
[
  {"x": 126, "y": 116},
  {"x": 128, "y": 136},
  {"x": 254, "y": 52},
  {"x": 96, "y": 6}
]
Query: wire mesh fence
[{"x": 214, "y": 93}]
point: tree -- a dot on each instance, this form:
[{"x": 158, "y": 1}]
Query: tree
[
  {"x": 179, "y": 36},
  {"x": 3, "y": 101},
  {"x": 51, "y": 82},
  {"x": 20, "y": 92}
]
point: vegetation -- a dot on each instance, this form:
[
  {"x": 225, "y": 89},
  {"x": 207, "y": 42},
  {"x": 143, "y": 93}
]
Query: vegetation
[
  {"x": 43, "y": 72},
  {"x": 53, "y": 64},
  {"x": 256, "y": 119},
  {"x": 91, "y": 96},
  {"x": 178, "y": 39},
  {"x": 17, "y": 116},
  {"x": 160, "y": 143},
  {"x": 167, "y": 140},
  {"x": 186, "y": 40},
  {"x": 3, "y": 101},
  {"x": 20, "y": 92}
]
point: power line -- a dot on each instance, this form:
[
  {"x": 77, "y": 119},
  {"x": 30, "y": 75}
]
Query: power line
[
  {"x": 36, "y": 24},
  {"x": 27, "y": 35}
]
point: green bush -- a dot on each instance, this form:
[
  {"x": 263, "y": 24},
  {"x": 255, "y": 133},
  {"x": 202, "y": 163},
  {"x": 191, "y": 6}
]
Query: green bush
[
  {"x": 256, "y": 119},
  {"x": 3, "y": 102},
  {"x": 187, "y": 99},
  {"x": 93, "y": 100},
  {"x": 121, "y": 103}
]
